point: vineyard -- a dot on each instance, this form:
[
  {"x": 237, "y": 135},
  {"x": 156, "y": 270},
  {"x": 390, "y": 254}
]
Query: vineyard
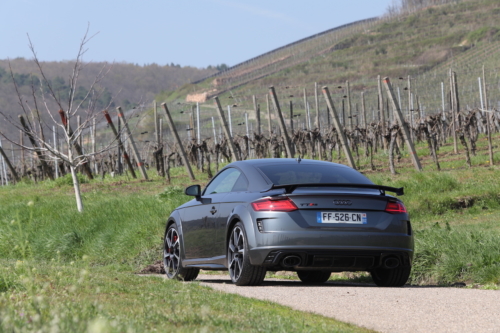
[
  {"x": 444, "y": 82},
  {"x": 368, "y": 138}
]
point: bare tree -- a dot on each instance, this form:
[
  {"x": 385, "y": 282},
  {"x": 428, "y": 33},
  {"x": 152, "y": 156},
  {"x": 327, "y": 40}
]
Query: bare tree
[{"x": 61, "y": 110}]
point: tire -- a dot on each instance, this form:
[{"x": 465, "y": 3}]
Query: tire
[
  {"x": 241, "y": 271},
  {"x": 395, "y": 277},
  {"x": 172, "y": 257},
  {"x": 314, "y": 277}
]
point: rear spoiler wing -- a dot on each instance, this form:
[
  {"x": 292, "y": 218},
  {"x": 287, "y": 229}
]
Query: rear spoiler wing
[{"x": 289, "y": 188}]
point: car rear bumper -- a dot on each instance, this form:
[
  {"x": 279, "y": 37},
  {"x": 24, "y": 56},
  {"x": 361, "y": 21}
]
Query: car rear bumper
[{"x": 332, "y": 258}]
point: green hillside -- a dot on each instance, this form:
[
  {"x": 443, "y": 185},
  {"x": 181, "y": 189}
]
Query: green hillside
[
  {"x": 423, "y": 43},
  {"x": 125, "y": 85}
]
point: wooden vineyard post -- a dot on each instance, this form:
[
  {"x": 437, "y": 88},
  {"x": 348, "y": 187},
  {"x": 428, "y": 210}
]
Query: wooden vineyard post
[
  {"x": 410, "y": 107},
  {"x": 488, "y": 127},
  {"x": 120, "y": 143},
  {"x": 137, "y": 156},
  {"x": 291, "y": 117},
  {"x": 406, "y": 134},
  {"x": 349, "y": 106},
  {"x": 454, "y": 111},
  {"x": 27, "y": 131},
  {"x": 363, "y": 110},
  {"x": 178, "y": 141},
  {"x": 339, "y": 128},
  {"x": 119, "y": 161},
  {"x": 23, "y": 160},
  {"x": 269, "y": 117},
  {"x": 157, "y": 127},
  {"x": 381, "y": 112},
  {"x": 306, "y": 112},
  {"x": 316, "y": 102},
  {"x": 226, "y": 129},
  {"x": 288, "y": 146},
  {"x": 257, "y": 114},
  {"x": 11, "y": 168}
]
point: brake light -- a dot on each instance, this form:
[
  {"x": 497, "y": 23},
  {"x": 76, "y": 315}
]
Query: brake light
[
  {"x": 395, "y": 207},
  {"x": 274, "y": 205}
]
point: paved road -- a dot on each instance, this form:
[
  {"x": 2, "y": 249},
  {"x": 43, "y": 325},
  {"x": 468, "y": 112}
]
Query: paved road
[{"x": 409, "y": 309}]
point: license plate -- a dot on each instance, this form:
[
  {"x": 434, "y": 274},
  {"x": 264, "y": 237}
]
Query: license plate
[{"x": 344, "y": 217}]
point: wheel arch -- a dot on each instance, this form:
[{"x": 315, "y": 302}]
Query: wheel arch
[
  {"x": 174, "y": 218},
  {"x": 241, "y": 214}
]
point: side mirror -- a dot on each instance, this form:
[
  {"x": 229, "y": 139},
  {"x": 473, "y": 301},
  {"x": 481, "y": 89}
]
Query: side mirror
[{"x": 193, "y": 190}]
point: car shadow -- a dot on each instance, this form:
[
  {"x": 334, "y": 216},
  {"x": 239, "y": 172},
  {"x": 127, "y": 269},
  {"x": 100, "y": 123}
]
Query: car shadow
[{"x": 295, "y": 284}]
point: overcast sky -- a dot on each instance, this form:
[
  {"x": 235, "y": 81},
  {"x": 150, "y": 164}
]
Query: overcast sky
[{"x": 187, "y": 32}]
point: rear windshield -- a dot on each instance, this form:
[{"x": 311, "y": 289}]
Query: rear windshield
[{"x": 284, "y": 174}]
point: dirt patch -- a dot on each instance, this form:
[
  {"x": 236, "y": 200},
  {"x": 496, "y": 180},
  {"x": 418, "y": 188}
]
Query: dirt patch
[
  {"x": 156, "y": 268},
  {"x": 464, "y": 202}
]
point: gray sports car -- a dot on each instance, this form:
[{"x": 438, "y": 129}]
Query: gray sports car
[{"x": 307, "y": 216}]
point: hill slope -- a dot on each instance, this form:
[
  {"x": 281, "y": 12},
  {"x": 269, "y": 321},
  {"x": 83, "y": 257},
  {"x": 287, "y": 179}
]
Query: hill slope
[
  {"x": 423, "y": 44},
  {"x": 125, "y": 85}
]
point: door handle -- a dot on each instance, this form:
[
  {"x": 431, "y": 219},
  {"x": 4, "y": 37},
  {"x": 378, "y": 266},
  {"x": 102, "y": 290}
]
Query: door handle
[{"x": 213, "y": 211}]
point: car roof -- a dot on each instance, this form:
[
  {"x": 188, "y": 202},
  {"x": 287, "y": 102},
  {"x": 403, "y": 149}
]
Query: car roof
[
  {"x": 284, "y": 161},
  {"x": 257, "y": 179}
]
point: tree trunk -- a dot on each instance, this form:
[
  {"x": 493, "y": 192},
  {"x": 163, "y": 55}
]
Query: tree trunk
[{"x": 76, "y": 185}]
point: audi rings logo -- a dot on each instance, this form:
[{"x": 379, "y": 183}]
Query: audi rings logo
[{"x": 342, "y": 202}]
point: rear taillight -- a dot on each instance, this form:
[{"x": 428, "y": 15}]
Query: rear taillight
[
  {"x": 274, "y": 205},
  {"x": 395, "y": 207}
]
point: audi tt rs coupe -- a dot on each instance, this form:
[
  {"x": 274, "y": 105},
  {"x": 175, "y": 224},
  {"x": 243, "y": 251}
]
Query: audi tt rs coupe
[{"x": 311, "y": 217}]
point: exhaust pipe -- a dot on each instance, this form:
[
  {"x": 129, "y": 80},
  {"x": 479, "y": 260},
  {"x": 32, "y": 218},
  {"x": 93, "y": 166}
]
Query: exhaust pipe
[
  {"x": 291, "y": 261},
  {"x": 391, "y": 262}
]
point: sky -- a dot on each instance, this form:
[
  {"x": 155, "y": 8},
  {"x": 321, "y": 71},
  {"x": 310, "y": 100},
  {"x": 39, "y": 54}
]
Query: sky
[{"x": 195, "y": 33}]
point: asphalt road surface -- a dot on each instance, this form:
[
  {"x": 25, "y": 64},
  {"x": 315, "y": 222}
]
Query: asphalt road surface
[{"x": 407, "y": 309}]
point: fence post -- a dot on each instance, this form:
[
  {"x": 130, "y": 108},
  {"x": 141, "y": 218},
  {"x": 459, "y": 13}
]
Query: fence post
[
  {"x": 488, "y": 127},
  {"x": 269, "y": 116},
  {"x": 157, "y": 129},
  {"x": 339, "y": 128},
  {"x": 119, "y": 157},
  {"x": 120, "y": 143},
  {"x": 410, "y": 107},
  {"x": 257, "y": 114},
  {"x": 226, "y": 129},
  {"x": 215, "y": 133},
  {"x": 349, "y": 106},
  {"x": 230, "y": 121},
  {"x": 137, "y": 156},
  {"x": 23, "y": 160},
  {"x": 363, "y": 109},
  {"x": 288, "y": 147},
  {"x": 306, "y": 111},
  {"x": 178, "y": 141},
  {"x": 54, "y": 137},
  {"x": 316, "y": 101},
  {"x": 402, "y": 123},
  {"x": 453, "y": 113},
  {"x": 381, "y": 112}
]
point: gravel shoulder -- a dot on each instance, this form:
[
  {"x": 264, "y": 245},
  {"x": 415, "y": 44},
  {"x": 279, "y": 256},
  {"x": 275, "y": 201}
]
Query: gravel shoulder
[{"x": 408, "y": 309}]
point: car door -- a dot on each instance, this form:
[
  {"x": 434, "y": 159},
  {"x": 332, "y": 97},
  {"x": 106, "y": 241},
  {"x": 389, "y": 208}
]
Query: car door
[
  {"x": 234, "y": 197},
  {"x": 199, "y": 220}
]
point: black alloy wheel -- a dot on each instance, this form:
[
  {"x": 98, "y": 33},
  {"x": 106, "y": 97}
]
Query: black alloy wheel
[
  {"x": 241, "y": 271},
  {"x": 172, "y": 257}
]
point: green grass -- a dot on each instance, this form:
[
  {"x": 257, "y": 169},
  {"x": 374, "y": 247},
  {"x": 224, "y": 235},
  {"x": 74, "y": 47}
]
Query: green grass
[
  {"x": 80, "y": 297},
  {"x": 75, "y": 272}
]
